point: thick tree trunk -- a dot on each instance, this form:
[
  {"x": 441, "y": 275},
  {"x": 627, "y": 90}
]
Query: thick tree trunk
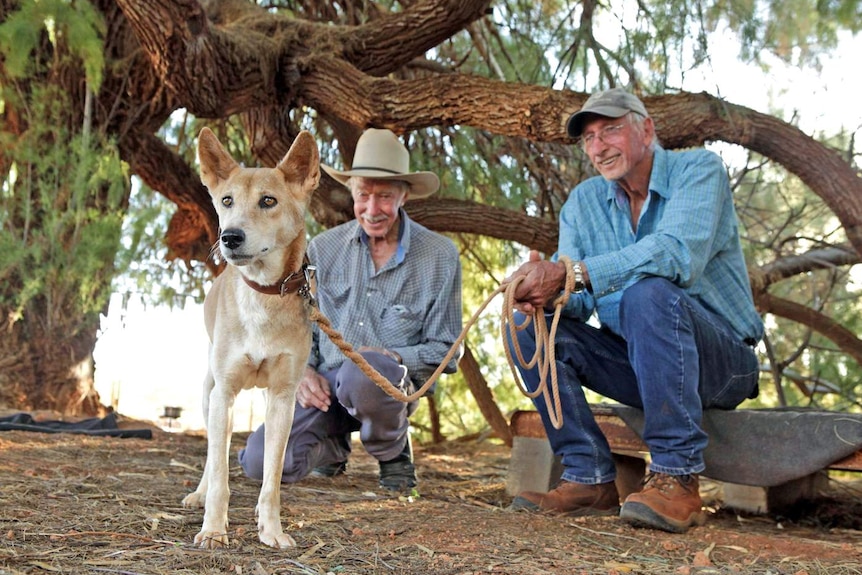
[
  {"x": 49, "y": 367},
  {"x": 46, "y": 351}
]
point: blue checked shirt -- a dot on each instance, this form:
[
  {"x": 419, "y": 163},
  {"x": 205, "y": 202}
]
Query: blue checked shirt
[
  {"x": 411, "y": 306},
  {"x": 687, "y": 233}
]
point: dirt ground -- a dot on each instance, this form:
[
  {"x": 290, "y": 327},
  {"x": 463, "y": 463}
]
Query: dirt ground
[{"x": 86, "y": 505}]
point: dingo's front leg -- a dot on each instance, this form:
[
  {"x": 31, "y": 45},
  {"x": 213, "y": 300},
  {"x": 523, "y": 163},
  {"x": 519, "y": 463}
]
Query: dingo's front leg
[
  {"x": 279, "y": 419},
  {"x": 219, "y": 425},
  {"x": 197, "y": 498}
]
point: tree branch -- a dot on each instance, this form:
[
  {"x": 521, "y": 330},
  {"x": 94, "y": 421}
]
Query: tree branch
[
  {"x": 846, "y": 340},
  {"x": 194, "y": 227},
  {"x": 461, "y": 216},
  {"x": 764, "y": 276}
]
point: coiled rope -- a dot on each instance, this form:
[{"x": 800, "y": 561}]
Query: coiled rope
[{"x": 545, "y": 338}]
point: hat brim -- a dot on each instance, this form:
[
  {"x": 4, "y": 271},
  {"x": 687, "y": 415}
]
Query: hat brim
[
  {"x": 575, "y": 125},
  {"x": 422, "y": 184}
]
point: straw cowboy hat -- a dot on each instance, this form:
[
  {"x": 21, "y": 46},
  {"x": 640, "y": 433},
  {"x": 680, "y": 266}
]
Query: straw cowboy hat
[{"x": 381, "y": 155}]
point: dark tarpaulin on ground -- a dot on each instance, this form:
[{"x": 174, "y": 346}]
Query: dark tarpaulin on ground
[{"x": 97, "y": 426}]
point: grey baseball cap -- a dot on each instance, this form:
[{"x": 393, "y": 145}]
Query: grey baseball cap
[{"x": 612, "y": 103}]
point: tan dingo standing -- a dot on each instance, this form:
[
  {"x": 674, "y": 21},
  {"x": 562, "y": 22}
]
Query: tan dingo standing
[{"x": 256, "y": 318}]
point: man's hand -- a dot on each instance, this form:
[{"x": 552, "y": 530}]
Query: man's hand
[
  {"x": 313, "y": 390},
  {"x": 543, "y": 281}
]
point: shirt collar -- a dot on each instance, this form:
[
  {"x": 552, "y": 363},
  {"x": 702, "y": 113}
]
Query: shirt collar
[
  {"x": 657, "y": 180},
  {"x": 403, "y": 235}
]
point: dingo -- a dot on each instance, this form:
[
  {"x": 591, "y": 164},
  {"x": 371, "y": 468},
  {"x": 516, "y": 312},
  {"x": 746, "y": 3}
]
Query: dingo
[{"x": 258, "y": 326}]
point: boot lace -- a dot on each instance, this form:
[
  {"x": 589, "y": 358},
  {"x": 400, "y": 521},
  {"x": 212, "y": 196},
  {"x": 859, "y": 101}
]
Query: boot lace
[{"x": 665, "y": 483}]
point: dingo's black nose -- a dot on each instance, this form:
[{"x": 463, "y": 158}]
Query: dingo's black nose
[{"x": 232, "y": 238}]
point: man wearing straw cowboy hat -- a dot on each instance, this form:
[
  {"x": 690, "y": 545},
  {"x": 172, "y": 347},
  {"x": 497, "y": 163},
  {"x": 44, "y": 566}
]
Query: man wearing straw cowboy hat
[
  {"x": 392, "y": 288},
  {"x": 655, "y": 253}
]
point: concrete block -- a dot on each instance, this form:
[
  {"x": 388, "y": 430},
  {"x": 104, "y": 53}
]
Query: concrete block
[
  {"x": 630, "y": 473},
  {"x": 532, "y": 466},
  {"x": 744, "y": 497},
  {"x": 772, "y": 499}
]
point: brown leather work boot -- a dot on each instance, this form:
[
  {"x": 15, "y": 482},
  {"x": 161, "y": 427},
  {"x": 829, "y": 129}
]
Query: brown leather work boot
[
  {"x": 667, "y": 502},
  {"x": 571, "y": 499}
]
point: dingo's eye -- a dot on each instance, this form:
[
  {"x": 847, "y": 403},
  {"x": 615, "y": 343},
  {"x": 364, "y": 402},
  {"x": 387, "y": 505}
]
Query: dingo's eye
[
  {"x": 227, "y": 201},
  {"x": 267, "y": 202}
]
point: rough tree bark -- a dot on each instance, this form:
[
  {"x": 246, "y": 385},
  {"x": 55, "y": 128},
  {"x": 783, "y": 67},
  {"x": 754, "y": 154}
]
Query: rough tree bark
[{"x": 217, "y": 58}]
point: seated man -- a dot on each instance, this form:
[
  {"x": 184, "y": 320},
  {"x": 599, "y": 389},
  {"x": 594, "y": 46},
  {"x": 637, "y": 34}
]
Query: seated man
[
  {"x": 656, "y": 254},
  {"x": 392, "y": 288}
]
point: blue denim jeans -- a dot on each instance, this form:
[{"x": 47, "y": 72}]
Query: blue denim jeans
[{"x": 674, "y": 359}]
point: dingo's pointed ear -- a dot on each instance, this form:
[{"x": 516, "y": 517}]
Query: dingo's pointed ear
[
  {"x": 216, "y": 163},
  {"x": 301, "y": 164}
]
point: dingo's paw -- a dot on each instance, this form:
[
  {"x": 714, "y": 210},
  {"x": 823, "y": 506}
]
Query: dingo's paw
[
  {"x": 207, "y": 539},
  {"x": 194, "y": 499},
  {"x": 277, "y": 539}
]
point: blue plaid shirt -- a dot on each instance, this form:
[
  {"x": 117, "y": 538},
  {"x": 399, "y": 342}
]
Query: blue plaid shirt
[
  {"x": 687, "y": 233},
  {"x": 412, "y": 305}
]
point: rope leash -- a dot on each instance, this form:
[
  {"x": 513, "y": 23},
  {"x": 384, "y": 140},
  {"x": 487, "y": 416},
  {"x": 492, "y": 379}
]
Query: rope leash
[
  {"x": 508, "y": 326},
  {"x": 545, "y": 340}
]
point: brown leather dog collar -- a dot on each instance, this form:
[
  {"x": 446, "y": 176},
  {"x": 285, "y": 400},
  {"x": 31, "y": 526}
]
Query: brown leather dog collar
[{"x": 298, "y": 281}]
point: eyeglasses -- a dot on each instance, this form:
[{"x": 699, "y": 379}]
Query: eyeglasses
[{"x": 607, "y": 135}]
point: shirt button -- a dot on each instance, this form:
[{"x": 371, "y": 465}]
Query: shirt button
[{"x": 361, "y": 323}]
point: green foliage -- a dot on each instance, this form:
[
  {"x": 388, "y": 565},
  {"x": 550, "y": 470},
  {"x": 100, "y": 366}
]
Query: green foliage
[
  {"x": 144, "y": 269},
  {"x": 780, "y": 217},
  {"x": 798, "y": 31},
  {"x": 62, "y": 207},
  {"x": 75, "y": 24},
  {"x": 646, "y": 44},
  {"x": 485, "y": 263}
]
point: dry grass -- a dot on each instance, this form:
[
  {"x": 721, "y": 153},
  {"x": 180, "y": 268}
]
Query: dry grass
[{"x": 80, "y": 505}]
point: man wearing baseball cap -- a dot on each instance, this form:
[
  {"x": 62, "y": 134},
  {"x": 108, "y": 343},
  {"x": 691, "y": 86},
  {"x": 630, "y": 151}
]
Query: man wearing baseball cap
[
  {"x": 392, "y": 288},
  {"x": 656, "y": 256}
]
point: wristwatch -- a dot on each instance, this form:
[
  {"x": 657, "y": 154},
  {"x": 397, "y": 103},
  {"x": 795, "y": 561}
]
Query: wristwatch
[{"x": 578, "y": 272}]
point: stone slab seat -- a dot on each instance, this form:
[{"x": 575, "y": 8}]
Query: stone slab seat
[{"x": 760, "y": 448}]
